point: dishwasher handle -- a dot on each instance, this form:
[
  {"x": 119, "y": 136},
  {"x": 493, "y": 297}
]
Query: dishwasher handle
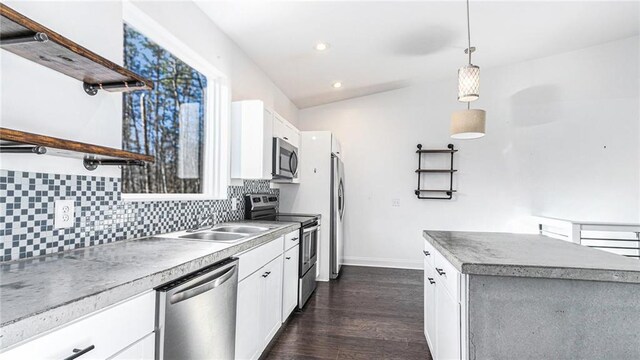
[{"x": 210, "y": 283}]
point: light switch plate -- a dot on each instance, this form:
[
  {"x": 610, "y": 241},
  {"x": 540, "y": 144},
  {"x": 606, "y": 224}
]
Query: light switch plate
[
  {"x": 234, "y": 204},
  {"x": 64, "y": 214}
]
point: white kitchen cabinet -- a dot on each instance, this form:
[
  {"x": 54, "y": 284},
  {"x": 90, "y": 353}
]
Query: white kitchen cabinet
[
  {"x": 285, "y": 130},
  {"x": 260, "y": 296},
  {"x": 248, "y": 317},
  {"x": 444, "y": 306},
  {"x": 291, "y": 239},
  {"x": 429, "y": 306},
  {"x": 252, "y": 126},
  {"x": 109, "y": 331},
  {"x": 447, "y": 325},
  {"x": 290, "y": 281},
  {"x": 142, "y": 350},
  {"x": 271, "y": 299}
]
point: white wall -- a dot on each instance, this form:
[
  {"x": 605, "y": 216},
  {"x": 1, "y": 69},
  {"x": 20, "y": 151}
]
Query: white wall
[
  {"x": 562, "y": 140},
  {"x": 39, "y": 100}
]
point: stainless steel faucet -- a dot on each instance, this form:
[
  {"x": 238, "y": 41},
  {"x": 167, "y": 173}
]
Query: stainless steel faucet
[{"x": 206, "y": 221}]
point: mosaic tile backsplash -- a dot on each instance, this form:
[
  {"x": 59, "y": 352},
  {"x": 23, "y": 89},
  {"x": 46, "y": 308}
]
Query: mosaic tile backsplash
[{"x": 27, "y": 203}]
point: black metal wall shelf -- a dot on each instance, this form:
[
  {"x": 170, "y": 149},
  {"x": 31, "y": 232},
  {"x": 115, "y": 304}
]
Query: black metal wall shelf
[{"x": 420, "y": 171}]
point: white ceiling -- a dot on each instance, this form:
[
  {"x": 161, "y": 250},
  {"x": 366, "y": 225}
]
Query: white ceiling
[{"x": 379, "y": 46}]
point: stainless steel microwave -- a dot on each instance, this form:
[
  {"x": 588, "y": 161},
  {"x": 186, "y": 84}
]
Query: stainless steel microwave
[{"x": 285, "y": 159}]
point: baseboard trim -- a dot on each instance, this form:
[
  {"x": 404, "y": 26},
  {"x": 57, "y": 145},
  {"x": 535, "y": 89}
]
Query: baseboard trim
[{"x": 384, "y": 263}]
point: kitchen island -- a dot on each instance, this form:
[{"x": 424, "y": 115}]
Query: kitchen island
[{"x": 519, "y": 296}]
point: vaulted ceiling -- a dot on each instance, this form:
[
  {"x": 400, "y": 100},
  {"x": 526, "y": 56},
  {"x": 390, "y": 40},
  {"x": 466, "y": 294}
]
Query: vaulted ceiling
[{"x": 379, "y": 46}]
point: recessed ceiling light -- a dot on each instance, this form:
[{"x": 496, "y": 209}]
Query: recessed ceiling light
[
  {"x": 337, "y": 85},
  {"x": 322, "y": 46}
]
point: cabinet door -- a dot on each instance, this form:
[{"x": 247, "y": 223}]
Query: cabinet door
[
  {"x": 290, "y": 282},
  {"x": 142, "y": 350},
  {"x": 292, "y": 135},
  {"x": 249, "y": 336},
  {"x": 279, "y": 129},
  {"x": 447, "y": 325},
  {"x": 271, "y": 276},
  {"x": 430, "y": 306}
]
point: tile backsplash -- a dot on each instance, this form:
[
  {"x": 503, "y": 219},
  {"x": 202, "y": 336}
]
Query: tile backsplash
[{"x": 27, "y": 203}]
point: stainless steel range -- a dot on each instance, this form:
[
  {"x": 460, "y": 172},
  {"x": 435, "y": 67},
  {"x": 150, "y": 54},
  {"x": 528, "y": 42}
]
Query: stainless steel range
[{"x": 265, "y": 207}]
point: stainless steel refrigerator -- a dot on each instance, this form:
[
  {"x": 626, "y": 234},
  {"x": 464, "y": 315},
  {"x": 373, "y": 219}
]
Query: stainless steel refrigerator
[{"x": 337, "y": 215}]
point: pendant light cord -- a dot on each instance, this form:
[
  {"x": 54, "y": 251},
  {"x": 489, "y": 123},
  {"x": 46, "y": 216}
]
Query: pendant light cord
[{"x": 469, "y": 32}]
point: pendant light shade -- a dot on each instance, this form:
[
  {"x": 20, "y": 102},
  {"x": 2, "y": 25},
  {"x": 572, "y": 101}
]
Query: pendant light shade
[
  {"x": 468, "y": 83},
  {"x": 468, "y": 124}
]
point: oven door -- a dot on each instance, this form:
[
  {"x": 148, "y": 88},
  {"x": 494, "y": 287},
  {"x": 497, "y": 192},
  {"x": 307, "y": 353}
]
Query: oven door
[
  {"x": 285, "y": 159},
  {"x": 309, "y": 248}
]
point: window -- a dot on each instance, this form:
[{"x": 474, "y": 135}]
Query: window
[{"x": 181, "y": 121}]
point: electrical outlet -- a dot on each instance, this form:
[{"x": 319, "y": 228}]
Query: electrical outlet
[
  {"x": 234, "y": 203},
  {"x": 64, "y": 214},
  {"x": 395, "y": 202}
]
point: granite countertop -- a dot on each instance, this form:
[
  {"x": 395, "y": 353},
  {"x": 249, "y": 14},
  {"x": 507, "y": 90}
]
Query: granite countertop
[
  {"x": 528, "y": 255},
  {"x": 43, "y": 293}
]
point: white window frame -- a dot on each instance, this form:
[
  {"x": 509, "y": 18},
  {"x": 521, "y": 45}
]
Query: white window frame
[{"x": 215, "y": 163}]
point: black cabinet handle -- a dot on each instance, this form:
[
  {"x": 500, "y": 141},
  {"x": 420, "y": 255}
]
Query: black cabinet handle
[
  {"x": 79, "y": 352},
  {"x": 286, "y": 138},
  {"x": 266, "y": 274},
  {"x": 288, "y": 258},
  {"x": 294, "y": 239},
  {"x": 426, "y": 253},
  {"x": 440, "y": 271},
  {"x": 431, "y": 281}
]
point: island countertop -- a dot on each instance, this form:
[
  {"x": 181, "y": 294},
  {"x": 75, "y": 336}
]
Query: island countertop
[
  {"x": 40, "y": 294},
  {"x": 530, "y": 255}
]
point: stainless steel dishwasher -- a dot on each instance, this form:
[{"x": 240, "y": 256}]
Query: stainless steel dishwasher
[{"x": 196, "y": 314}]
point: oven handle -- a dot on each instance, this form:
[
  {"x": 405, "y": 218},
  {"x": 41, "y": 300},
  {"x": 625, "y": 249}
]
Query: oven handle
[{"x": 313, "y": 228}]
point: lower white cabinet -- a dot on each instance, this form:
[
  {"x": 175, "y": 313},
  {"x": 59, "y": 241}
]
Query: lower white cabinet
[
  {"x": 104, "y": 334},
  {"x": 290, "y": 281},
  {"x": 443, "y": 306},
  {"x": 259, "y": 307},
  {"x": 142, "y": 350},
  {"x": 447, "y": 338}
]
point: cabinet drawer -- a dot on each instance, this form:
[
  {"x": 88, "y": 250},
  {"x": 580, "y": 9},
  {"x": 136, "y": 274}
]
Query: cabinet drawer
[
  {"x": 447, "y": 275},
  {"x": 291, "y": 239},
  {"x": 108, "y": 331},
  {"x": 428, "y": 253},
  {"x": 253, "y": 259}
]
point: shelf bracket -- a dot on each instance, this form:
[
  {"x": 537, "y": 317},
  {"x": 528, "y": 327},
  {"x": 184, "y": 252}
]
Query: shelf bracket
[
  {"x": 23, "y": 149},
  {"x": 23, "y": 39},
  {"x": 92, "y": 89},
  {"x": 92, "y": 164}
]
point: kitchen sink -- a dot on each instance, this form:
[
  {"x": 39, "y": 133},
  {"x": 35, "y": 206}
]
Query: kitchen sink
[
  {"x": 242, "y": 229},
  {"x": 214, "y": 236}
]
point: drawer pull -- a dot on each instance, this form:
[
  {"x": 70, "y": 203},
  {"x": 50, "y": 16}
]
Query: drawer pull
[
  {"x": 294, "y": 239},
  {"x": 288, "y": 258},
  {"x": 431, "y": 281},
  {"x": 440, "y": 271},
  {"x": 426, "y": 253},
  {"x": 79, "y": 352},
  {"x": 266, "y": 274}
]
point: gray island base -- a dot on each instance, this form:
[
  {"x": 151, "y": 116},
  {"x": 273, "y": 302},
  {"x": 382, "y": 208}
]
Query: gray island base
[{"x": 519, "y": 301}]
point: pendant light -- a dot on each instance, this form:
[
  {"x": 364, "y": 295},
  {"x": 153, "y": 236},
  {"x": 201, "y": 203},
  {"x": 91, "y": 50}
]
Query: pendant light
[{"x": 469, "y": 123}]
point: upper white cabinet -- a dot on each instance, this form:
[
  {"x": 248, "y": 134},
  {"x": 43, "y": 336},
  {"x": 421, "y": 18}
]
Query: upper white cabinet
[
  {"x": 251, "y": 140},
  {"x": 253, "y": 127}
]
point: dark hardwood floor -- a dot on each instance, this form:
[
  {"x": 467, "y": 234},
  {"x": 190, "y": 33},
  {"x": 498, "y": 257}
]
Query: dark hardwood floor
[{"x": 368, "y": 313}]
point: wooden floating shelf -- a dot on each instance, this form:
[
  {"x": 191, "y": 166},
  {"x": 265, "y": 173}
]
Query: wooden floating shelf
[
  {"x": 444, "y": 171},
  {"x": 31, "y": 40},
  {"x": 15, "y": 141}
]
